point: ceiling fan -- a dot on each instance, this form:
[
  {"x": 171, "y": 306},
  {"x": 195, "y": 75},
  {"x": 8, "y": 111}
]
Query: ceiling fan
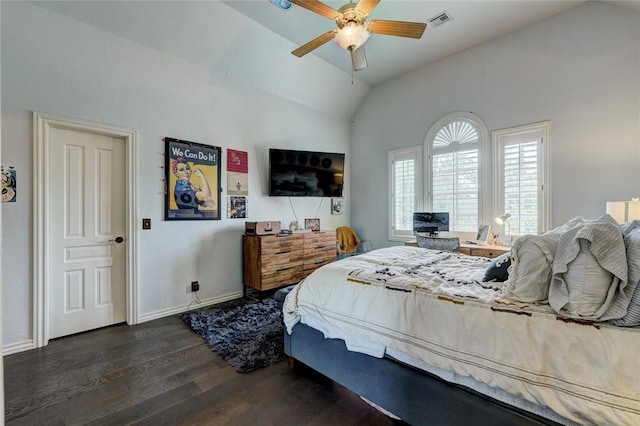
[{"x": 354, "y": 29}]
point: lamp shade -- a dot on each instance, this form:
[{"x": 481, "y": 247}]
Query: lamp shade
[
  {"x": 501, "y": 220},
  {"x": 624, "y": 211}
]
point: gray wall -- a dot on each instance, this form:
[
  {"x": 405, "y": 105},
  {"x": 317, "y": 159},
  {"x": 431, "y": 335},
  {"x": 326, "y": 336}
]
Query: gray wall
[
  {"x": 579, "y": 69},
  {"x": 54, "y": 64}
]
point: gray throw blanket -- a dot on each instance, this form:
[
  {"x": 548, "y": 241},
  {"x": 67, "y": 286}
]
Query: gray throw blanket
[{"x": 590, "y": 276}]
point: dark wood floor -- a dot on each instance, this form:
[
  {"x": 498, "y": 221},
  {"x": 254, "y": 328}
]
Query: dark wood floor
[{"x": 161, "y": 373}]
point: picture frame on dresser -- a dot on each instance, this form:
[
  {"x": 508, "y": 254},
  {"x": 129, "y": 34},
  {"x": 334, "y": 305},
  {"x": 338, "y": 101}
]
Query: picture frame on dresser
[
  {"x": 192, "y": 180},
  {"x": 482, "y": 237},
  {"x": 312, "y": 224}
]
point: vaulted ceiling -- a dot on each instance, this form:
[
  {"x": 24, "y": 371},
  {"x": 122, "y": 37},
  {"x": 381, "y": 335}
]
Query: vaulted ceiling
[
  {"x": 182, "y": 28},
  {"x": 472, "y": 23}
]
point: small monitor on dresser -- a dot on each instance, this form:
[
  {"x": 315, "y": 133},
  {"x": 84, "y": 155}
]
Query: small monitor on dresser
[{"x": 430, "y": 222}]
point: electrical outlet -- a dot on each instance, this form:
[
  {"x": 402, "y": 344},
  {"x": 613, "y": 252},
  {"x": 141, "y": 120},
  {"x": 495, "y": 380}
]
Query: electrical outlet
[{"x": 195, "y": 286}]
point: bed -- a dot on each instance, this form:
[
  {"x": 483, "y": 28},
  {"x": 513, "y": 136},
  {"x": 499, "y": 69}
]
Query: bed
[{"x": 421, "y": 335}]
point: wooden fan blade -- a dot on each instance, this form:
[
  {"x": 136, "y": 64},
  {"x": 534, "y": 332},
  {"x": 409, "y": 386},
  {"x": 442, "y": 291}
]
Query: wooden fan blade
[
  {"x": 397, "y": 28},
  {"x": 366, "y": 6},
  {"x": 317, "y": 7},
  {"x": 358, "y": 58},
  {"x": 315, "y": 43}
]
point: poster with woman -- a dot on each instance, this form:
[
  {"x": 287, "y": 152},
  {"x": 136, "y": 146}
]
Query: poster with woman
[{"x": 193, "y": 180}]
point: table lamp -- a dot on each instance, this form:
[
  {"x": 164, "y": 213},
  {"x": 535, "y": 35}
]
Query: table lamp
[
  {"x": 624, "y": 211},
  {"x": 504, "y": 220}
]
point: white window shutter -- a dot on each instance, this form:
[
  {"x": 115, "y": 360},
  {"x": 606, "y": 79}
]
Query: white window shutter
[{"x": 405, "y": 190}]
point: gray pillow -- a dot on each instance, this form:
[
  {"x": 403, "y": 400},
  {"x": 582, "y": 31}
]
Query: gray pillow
[
  {"x": 531, "y": 268},
  {"x": 436, "y": 243},
  {"x": 498, "y": 269}
]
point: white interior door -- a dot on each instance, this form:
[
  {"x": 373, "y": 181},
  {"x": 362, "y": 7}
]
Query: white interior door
[{"x": 86, "y": 232}]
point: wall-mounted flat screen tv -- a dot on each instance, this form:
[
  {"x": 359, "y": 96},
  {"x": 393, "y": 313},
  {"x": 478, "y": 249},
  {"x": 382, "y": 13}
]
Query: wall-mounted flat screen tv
[
  {"x": 294, "y": 173},
  {"x": 430, "y": 222}
]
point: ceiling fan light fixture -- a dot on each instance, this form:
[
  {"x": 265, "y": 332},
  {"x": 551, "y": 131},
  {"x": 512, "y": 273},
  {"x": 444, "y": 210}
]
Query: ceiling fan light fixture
[{"x": 351, "y": 36}]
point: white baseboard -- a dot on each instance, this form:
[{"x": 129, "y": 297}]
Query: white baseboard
[
  {"x": 180, "y": 309},
  {"x": 14, "y": 348}
]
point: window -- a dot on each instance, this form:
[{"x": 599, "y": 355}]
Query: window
[
  {"x": 473, "y": 180},
  {"x": 405, "y": 188},
  {"x": 455, "y": 173},
  {"x": 522, "y": 177}
]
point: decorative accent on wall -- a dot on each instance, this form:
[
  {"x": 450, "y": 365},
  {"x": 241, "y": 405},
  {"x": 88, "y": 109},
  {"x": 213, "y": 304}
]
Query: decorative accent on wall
[
  {"x": 193, "y": 180},
  {"x": 337, "y": 205},
  {"x": 9, "y": 189},
  {"x": 237, "y": 172},
  {"x": 237, "y": 207}
]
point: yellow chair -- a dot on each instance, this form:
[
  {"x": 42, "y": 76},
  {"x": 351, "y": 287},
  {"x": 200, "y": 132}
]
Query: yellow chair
[{"x": 349, "y": 244}]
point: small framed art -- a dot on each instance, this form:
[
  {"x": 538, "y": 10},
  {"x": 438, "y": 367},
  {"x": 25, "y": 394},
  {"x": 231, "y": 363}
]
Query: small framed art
[
  {"x": 483, "y": 234},
  {"x": 237, "y": 207},
  {"x": 337, "y": 205},
  {"x": 9, "y": 184},
  {"x": 312, "y": 224}
]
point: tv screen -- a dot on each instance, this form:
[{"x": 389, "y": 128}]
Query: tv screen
[
  {"x": 295, "y": 173},
  {"x": 430, "y": 222}
]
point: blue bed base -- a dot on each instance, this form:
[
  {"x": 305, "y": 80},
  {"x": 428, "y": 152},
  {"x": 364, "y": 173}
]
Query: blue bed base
[{"x": 419, "y": 398}]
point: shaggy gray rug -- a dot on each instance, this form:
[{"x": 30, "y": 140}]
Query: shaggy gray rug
[{"x": 247, "y": 333}]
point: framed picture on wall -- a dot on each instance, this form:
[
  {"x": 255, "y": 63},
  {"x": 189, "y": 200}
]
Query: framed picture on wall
[
  {"x": 9, "y": 187},
  {"x": 237, "y": 207},
  {"x": 337, "y": 205},
  {"x": 192, "y": 178}
]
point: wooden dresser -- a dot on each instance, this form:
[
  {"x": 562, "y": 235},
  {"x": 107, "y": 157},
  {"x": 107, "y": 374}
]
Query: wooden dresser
[{"x": 269, "y": 261}]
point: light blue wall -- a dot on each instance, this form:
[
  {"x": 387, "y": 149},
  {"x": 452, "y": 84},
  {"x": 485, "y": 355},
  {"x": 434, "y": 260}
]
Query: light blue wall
[{"x": 579, "y": 69}]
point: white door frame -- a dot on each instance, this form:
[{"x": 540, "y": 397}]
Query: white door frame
[{"x": 42, "y": 123}]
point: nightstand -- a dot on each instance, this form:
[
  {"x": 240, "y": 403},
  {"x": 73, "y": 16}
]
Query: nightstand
[{"x": 474, "y": 249}]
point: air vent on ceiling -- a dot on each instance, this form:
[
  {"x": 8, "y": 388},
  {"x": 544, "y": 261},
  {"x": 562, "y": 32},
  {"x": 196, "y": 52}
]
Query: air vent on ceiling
[
  {"x": 440, "y": 19},
  {"x": 283, "y": 5}
]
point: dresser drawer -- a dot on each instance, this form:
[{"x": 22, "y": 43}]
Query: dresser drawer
[
  {"x": 484, "y": 251},
  {"x": 272, "y": 245},
  {"x": 319, "y": 249}
]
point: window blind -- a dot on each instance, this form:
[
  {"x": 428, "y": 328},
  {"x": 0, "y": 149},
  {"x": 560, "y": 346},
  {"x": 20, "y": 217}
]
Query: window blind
[
  {"x": 404, "y": 194},
  {"x": 521, "y": 183},
  {"x": 455, "y": 188}
]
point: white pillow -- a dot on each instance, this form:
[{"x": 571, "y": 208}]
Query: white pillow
[
  {"x": 531, "y": 268},
  {"x": 590, "y": 272}
]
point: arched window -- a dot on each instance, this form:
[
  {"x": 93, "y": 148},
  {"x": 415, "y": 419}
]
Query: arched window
[{"x": 455, "y": 149}]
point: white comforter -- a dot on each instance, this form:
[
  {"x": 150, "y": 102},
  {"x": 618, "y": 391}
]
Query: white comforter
[{"x": 433, "y": 307}]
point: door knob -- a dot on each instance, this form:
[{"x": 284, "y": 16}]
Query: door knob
[{"x": 117, "y": 240}]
